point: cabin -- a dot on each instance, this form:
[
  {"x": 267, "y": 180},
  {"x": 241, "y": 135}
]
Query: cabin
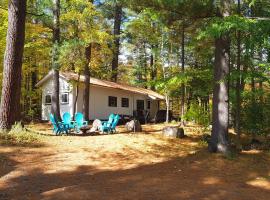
[{"x": 105, "y": 97}]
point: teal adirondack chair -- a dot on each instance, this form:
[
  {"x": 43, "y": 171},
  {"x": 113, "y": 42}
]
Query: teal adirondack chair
[
  {"x": 105, "y": 127},
  {"x": 114, "y": 124},
  {"x": 58, "y": 127},
  {"x": 67, "y": 121},
  {"x": 79, "y": 121},
  {"x": 110, "y": 126}
]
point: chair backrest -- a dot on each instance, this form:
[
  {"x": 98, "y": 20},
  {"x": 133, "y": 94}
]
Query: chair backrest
[
  {"x": 66, "y": 118},
  {"x": 79, "y": 118},
  {"x": 53, "y": 121},
  {"x": 115, "y": 121},
  {"x": 111, "y": 118}
]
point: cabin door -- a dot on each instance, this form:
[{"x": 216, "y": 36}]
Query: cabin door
[{"x": 140, "y": 105}]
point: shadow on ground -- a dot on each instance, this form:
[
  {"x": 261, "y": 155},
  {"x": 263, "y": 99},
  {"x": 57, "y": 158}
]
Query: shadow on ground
[{"x": 194, "y": 176}]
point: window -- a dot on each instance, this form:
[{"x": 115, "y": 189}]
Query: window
[
  {"x": 148, "y": 105},
  {"x": 140, "y": 104},
  {"x": 112, "y": 101},
  {"x": 125, "y": 102},
  {"x": 48, "y": 99},
  {"x": 64, "y": 98}
]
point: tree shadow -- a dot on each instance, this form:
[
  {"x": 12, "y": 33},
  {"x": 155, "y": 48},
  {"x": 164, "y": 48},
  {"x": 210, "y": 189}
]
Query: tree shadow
[{"x": 198, "y": 175}]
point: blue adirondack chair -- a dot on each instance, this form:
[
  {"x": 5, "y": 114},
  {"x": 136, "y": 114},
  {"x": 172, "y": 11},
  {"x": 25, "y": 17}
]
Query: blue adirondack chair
[
  {"x": 79, "y": 121},
  {"x": 58, "y": 127},
  {"x": 105, "y": 127},
  {"x": 67, "y": 121},
  {"x": 114, "y": 124},
  {"x": 110, "y": 127}
]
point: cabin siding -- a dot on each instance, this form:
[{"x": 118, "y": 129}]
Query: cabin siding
[
  {"x": 65, "y": 87},
  {"x": 99, "y": 108}
]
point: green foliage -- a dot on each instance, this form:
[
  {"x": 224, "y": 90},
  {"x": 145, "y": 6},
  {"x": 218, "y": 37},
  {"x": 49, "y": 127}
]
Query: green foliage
[
  {"x": 256, "y": 112},
  {"x": 83, "y": 25},
  {"x": 220, "y": 26},
  {"x": 19, "y": 136},
  {"x": 198, "y": 114}
]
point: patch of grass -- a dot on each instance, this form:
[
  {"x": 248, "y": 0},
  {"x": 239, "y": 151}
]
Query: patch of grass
[{"x": 19, "y": 136}]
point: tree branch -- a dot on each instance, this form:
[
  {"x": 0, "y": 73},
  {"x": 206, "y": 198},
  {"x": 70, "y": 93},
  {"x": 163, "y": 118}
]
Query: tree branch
[
  {"x": 259, "y": 18},
  {"x": 28, "y": 13}
]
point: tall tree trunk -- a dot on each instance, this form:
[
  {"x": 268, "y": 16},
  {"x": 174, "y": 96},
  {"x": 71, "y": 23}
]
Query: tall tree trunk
[
  {"x": 219, "y": 136},
  {"x": 116, "y": 33},
  {"x": 145, "y": 64},
  {"x": 238, "y": 82},
  {"x": 77, "y": 95},
  {"x": 55, "y": 108},
  {"x": 183, "y": 71},
  {"x": 86, "y": 93},
  {"x": 11, "y": 85},
  {"x": 167, "y": 101},
  {"x": 153, "y": 68}
]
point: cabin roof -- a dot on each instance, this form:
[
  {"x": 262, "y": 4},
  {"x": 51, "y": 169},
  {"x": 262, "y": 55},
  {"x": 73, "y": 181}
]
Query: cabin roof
[{"x": 103, "y": 83}]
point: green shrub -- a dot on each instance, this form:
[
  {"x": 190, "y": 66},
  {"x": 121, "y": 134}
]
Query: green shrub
[
  {"x": 20, "y": 136},
  {"x": 198, "y": 114},
  {"x": 255, "y": 115}
]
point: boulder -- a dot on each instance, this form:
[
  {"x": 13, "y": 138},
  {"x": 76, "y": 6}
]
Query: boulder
[
  {"x": 173, "y": 131},
  {"x": 134, "y": 125}
]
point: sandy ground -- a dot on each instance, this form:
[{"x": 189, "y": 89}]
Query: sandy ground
[{"x": 126, "y": 166}]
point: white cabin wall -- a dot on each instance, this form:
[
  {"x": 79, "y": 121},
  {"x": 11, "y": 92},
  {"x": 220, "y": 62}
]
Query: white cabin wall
[
  {"x": 99, "y": 108},
  {"x": 65, "y": 87}
]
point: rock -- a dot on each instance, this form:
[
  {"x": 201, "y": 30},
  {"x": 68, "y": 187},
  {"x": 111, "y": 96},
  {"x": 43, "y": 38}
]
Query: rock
[
  {"x": 134, "y": 125},
  {"x": 96, "y": 124},
  {"x": 173, "y": 131}
]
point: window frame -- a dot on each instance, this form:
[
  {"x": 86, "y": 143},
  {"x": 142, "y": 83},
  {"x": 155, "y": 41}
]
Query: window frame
[
  {"x": 126, "y": 101},
  {"x": 65, "y": 93},
  {"x": 45, "y": 99},
  {"x": 109, "y": 101}
]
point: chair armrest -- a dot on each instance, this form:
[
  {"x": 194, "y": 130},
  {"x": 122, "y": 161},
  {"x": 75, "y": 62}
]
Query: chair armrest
[{"x": 104, "y": 123}]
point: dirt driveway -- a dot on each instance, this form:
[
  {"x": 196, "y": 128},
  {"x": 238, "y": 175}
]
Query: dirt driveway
[{"x": 143, "y": 166}]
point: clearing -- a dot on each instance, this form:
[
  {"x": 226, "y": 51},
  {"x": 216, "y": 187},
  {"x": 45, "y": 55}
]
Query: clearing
[{"x": 130, "y": 166}]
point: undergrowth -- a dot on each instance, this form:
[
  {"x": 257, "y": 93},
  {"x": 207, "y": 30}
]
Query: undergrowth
[{"x": 19, "y": 136}]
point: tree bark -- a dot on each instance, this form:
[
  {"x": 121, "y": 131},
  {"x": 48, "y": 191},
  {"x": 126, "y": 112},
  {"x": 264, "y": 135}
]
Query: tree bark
[
  {"x": 11, "y": 85},
  {"x": 219, "y": 136},
  {"x": 86, "y": 93},
  {"x": 153, "y": 70},
  {"x": 238, "y": 82},
  {"x": 77, "y": 95},
  {"x": 183, "y": 71},
  {"x": 116, "y": 33},
  {"x": 220, "y": 113},
  {"x": 55, "y": 108},
  {"x": 167, "y": 101}
]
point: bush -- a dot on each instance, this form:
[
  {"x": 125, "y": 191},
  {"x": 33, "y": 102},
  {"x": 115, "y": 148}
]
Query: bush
[
  {"x": 197, "y": 114},
  {"x": 255, "y": 115},
  {"x": 20, "y": 136}
]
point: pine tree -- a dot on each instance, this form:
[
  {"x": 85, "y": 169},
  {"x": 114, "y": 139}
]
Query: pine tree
[
  {"x": 55, "y": 108},
  {"x": 11, "y": 88}
]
